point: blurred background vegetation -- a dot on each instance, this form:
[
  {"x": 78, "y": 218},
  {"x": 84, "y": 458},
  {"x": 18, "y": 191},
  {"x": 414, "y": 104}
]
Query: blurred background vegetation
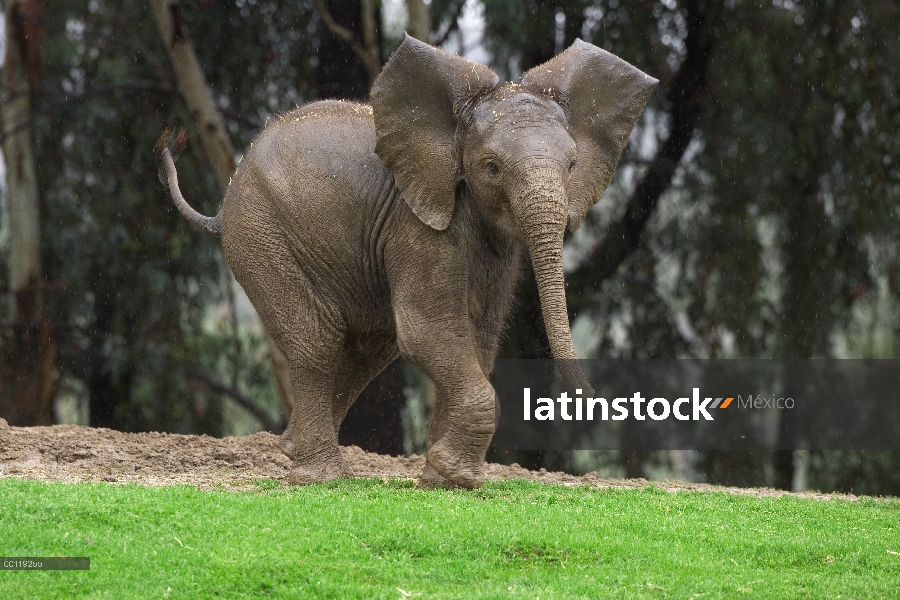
[{"x": 753, "y": 215}]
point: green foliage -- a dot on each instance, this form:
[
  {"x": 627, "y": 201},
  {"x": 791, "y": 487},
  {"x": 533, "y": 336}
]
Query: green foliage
[
  {"x": 796, "y": 153},
  {"x": 374, "y": 539},
  {"x": 521, "y": 35}
]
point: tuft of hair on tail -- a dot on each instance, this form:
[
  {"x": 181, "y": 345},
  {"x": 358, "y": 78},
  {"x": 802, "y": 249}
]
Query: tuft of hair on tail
[
  {"x": 174, "y": 140},
  {"x": 167, "y": 149}
]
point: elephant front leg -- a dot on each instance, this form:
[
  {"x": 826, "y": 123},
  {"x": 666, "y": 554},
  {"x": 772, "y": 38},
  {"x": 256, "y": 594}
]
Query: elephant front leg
[
  {"x": 444, "y": 347},
  {"x": 489, "y": 298},
  {"x": 461, "y": 430},
  {"x": 466, "y": 429}
]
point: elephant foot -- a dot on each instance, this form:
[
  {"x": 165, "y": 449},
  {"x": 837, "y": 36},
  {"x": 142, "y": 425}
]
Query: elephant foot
[
  {"x": 430, "y": 479},
  {"x": 460, "y": 462},
  {"x": 319, "y": 469}
]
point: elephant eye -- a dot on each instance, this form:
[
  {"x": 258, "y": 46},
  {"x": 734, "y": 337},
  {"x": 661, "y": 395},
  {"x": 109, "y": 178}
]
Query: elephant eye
[
  {"x": 571, "y": 166},
  {"x": 492, "y": 168}
]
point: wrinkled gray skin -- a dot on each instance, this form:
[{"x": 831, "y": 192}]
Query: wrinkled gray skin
[{"x": 362, "y": 232}]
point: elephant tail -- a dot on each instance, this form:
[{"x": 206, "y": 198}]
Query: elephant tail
[{"x": 167, "y": 149}]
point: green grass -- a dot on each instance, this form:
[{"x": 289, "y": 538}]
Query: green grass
[{"x": 371, "y": 539}]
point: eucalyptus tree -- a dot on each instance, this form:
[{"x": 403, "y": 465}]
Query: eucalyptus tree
[{"x": 26, "y": 337}]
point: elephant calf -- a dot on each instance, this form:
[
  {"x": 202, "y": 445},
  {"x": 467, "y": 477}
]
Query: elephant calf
[{"x": 363, "y": 232}]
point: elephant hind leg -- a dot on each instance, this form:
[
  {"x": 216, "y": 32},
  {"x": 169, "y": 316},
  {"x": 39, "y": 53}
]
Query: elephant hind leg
[
  {"x": 310, "y": 331},
  {"x": 310, "y": 438}
]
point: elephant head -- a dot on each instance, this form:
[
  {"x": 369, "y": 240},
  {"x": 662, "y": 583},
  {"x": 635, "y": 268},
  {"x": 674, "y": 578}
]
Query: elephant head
[{"x": 535, "y": 156}]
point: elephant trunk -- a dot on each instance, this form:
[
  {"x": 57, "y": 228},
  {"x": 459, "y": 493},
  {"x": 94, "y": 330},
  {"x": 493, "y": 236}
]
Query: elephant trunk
[{"x": 542, "y": 216}]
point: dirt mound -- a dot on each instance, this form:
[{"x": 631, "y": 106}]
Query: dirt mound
[{"x": 73, "y": 453}]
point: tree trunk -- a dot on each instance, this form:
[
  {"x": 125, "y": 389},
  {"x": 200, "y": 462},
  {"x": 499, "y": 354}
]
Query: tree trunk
[
  {"x": 197, "y": 94},
  {"x": 417, "y": 21},
  {"x": 214, "y": 138},
  {"x": 26, "y": 373}
]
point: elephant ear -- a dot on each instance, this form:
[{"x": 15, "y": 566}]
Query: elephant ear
[
  {"x": 414, "y": 102},
  {"x": 604, "y": 96}
]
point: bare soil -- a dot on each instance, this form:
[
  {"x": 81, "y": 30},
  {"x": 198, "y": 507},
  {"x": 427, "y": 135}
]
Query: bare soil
[{"x": 72, "y": 453}]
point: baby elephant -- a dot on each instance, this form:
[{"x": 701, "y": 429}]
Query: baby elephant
[{"x": 363, "y": 232}]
